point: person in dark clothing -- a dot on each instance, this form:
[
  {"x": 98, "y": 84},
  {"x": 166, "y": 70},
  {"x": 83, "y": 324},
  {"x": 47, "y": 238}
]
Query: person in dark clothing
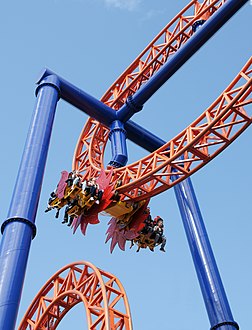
[
  {"x": 69, "y": 180},
  {"x": 69, "y": 206},
  {"x": 95, "y": 191},
  {"x": 158, "y": 234},
  {"x": 52, "y": 197},
  {"x": 149, "y": 223}
]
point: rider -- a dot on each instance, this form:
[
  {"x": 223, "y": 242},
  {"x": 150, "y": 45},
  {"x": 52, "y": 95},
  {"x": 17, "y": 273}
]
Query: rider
[
  {"x": 158, "y": 233},
  {"x": 53, "y": 196},
  {"x": 95, "y": 191},
  {"x": 149, "y": 223},
  {"x": 76, "y": 179},
  {"x": 69, "y": 206},
  {"x": 69, "y": 180}
]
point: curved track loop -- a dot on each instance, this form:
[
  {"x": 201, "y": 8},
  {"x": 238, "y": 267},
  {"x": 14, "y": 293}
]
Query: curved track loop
[
  {"x": 89, "y": 150},
  {"x": 206, "y": 137},
  {"x": 100, "y": 292},
  {"x": 195, "y": 146}
]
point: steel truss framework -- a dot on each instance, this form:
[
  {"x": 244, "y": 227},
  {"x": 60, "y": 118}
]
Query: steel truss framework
[
  {"x": 101, "y": 293},
  {"x": 194, "y": 147}
]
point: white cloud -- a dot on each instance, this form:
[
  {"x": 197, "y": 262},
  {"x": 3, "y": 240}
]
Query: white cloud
[{"x": 123, "y": 4}]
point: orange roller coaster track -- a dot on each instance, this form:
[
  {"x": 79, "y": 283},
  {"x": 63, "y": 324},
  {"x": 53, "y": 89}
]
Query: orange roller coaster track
[
  {"x": 218, "y": 126},
  {"x": 101, "y": 293},
  {"x": 200, "y": 142},
  {"x": 176, "y": 33}
]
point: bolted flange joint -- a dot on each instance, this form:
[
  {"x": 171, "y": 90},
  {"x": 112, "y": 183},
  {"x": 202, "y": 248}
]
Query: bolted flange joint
[
  {"x": 128, "y": 110},
  {"x": 17, "y": 219},
  {"x": 234, "y": 324}
]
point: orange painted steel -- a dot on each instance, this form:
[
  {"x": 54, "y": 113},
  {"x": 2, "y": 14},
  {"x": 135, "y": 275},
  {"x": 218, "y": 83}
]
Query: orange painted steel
[
  {"x": 194, "y": 147},
  {"x": 101, "y": 293},
  {"x": 207, "y": 136},
  {"x": 166, "y": 43},
  {"x": 218, "y": 126},
  {"x": 176, "y": 33}
]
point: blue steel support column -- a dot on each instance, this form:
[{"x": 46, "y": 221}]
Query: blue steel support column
[
  {"x": 218, "y": 309},
  {"x": 219, "y": 312},
  {"x": 117, "y": 138},
  {"x": 19, "y": 228}
]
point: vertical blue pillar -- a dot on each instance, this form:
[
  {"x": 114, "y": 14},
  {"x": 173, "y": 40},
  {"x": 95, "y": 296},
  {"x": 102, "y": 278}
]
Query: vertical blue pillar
[
  {"x": 117, "y": 138},
  {"x": 219, "y": 312},
  {"x": 19, "y": 228}
]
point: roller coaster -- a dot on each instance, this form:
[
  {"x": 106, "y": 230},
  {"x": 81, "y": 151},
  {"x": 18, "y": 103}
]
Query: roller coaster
[{"x": 123, "y": 191}]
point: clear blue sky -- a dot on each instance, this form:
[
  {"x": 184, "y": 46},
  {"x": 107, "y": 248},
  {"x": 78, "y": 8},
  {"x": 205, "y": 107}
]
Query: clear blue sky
[{"x": 89, "y": 43}]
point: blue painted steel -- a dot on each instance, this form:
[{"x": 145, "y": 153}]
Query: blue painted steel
[
  {"x": 128, "y": 110},
  {"x": 17, "y": 235},
  {"x": 101, "y": 112},
  {"x": 142, "y": 137},
  {"x": 211, "y": 26},
  {"x": 213, "y": 292},
  {"x": 106, "y": 115},
  {"x": 219, "y": 312},
  {"x": 82, "y": 100},
  {"x": 117, "y": 137}
]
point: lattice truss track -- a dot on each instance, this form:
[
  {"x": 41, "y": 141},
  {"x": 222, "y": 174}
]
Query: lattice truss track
[
  {"x": 207, "y": 136},
  {"x": 101, "y": 294}
]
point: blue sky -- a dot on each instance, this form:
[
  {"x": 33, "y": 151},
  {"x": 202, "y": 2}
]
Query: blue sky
[{"x": 89, "y": 43}]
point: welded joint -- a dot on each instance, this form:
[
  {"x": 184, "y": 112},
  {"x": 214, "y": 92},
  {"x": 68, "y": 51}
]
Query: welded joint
[
  {"x": 23, "y": 220},
  {"x": 129, "y": 109},
  {"x": 131, "y": 103},
  {"x": 52, "y": 81},
  {"x": 234, "y": 324}
]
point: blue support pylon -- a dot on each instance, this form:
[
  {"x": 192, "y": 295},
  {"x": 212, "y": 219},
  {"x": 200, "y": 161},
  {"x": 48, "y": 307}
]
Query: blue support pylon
[
  {"x": 19, "y": 228},
  {"x": 212, "y": 289},
  {"x": 216, "y": 302}
]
